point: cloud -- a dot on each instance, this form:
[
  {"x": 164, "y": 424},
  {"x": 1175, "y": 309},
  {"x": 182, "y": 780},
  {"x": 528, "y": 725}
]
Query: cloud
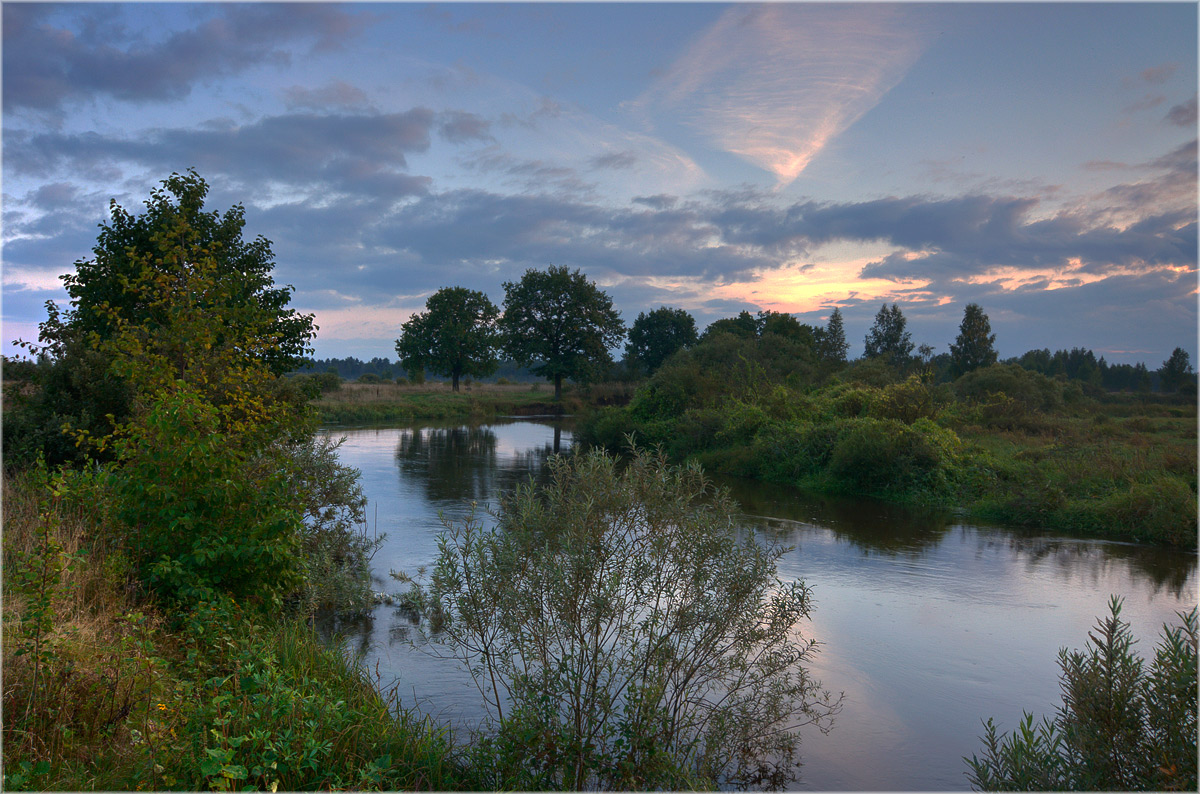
[
  {"x": 458, "y": 126},
  {"x": 775, "y": 83},
  {"x": 363, "y": 153},
  {"x": 1159, "y": 74},
  {"x": 337, "y": 94},
  {"x": 1183, "y": 114},
  {"x": 614, "y": 160},
  {"x": 47, "y": 66}
]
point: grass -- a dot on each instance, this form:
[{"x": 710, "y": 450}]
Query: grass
[
  {"x": 102, "y": 690},
  {"x": 381, "y": 402}
]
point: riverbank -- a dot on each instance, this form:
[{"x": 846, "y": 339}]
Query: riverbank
[
  {"x": 355, "y": 403},
  {"x": 105, "y": 690},
  {"x": 1003, "y": 445}
]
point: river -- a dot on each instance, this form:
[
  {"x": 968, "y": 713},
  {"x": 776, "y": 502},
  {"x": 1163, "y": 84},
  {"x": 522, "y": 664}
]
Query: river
[{"x": 928, "y": 624}]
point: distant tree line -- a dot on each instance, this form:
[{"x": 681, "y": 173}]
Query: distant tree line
[{"x": 558, "y": 325}]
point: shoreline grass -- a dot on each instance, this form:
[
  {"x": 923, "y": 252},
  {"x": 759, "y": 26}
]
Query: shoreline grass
[{"x": 383, "y": 402}]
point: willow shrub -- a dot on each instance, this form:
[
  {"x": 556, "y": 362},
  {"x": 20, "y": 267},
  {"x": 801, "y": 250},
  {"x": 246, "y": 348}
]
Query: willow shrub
[
  {"x": 624, "y": 634},
  {"x": 1123, "y": 726}
]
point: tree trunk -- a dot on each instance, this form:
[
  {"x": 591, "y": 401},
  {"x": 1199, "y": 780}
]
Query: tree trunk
[
  {"x": 557, "y": 388},
  {"x": 454, "y": 380}
]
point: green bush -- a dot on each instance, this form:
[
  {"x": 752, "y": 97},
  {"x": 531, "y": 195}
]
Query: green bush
[
  {"x": 1123, "y": 726},
  {"x": 202, "y": 513},
  {"x": 1032, "y": 389},
  {"x": 880, "y": 456}
]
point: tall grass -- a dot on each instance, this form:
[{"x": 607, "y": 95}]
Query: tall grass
[{"x": 104, "y": 691}]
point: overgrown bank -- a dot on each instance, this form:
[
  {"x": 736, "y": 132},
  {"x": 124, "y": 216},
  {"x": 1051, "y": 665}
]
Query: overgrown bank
[
  {"x": 1002, "y": 442},
  {"x": 351, "y": 403}
]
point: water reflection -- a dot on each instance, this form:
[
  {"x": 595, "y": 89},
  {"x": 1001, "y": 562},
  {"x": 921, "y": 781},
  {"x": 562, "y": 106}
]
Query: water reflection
[
  {"x": 463, "y": 464},
  {"x": 865, "y": 524}
]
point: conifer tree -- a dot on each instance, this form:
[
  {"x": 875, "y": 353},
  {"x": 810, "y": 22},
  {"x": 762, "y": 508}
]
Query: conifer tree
[{"x": 974, "y": 347}]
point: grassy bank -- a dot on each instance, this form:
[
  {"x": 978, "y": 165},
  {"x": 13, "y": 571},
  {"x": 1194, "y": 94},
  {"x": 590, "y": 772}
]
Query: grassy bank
[
  {"x": 105, "y": 691},
  {"x": 382, "y": 402},
  {"x": 1004, "y": 444}
]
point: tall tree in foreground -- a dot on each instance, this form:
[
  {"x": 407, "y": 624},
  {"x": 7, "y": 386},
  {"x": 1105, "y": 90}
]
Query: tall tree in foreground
[
  {"x": 655, "y": 336},
  {"x": 561, "y": 323},
  {"x": 975, "y": 345},
  {"x": 455, "y": 336},
  {"x": 889, "y": 338}
]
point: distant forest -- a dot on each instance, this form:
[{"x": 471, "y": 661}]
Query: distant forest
[{"x": 1077, "y": 364}]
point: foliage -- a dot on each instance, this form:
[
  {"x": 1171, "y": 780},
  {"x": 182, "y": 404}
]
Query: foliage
[
  {"x": 1031, "y": 389},
  {"x": 335, "y": 548},
  {"x": 1123, "y": 726},
  {"x": 888, "y": 337},
  {"x": 975, "y": 345},
  {"x": 456, "y": 335},
  {"x": 655, "y": 336},
  {"x": 563, "y": 322},
  {"x": 831, "y": 344},
  {"x": 160, "y": 247},
  {"x": 1176, "y": 371},
  {"x": 201, "y": 512},
  {"x": 624, "y": 636}
]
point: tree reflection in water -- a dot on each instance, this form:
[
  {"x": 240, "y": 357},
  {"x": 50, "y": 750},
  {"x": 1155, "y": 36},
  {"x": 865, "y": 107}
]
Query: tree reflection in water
[{"x": 462, "y": 464}]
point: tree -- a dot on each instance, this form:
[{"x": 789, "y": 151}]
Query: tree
[
  {"x": 1176, "y": 371},
  {"x": 889, "y": 338},
  {"x": 1122, "y": 727},
  {"x": 832, "y": 346},
  {"x": 624, "y": 635},
  {"x": 974, "y": 347},
  {"x": 744, "y": 325},
  {"x": 655, "y": 336},
  {"x": 162, "y": 245},
  {"x": 560, "y": 322},
  {"x": 456, "y": 335}
]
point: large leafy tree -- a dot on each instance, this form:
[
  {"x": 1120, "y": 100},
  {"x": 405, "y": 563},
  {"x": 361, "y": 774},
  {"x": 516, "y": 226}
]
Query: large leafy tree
[
  {"x": 162, "y": 247},
  {"x": 174, "y": 295},
  {"x": 455, "y": 336},
  {"x": 889, "y": 338},
  {"x": 655, "y": 336},
  {"x": 975, "y": 345},
  {"x": 561, "y": 323}
]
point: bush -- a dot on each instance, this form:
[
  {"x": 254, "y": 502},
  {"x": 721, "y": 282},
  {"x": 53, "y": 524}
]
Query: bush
[
  {"x": 202, "y": 513},
  {"x": 623, "y": 636},
  {"x": 369, "y": 377},
  {"x": 1034, "y": 390},
  {"x": 1122, "y": 726},
  {"x": 877, "y": 456}
]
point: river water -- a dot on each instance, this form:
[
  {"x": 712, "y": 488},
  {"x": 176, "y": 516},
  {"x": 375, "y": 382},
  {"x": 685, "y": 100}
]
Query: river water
[{"x": 927, "y": 624}]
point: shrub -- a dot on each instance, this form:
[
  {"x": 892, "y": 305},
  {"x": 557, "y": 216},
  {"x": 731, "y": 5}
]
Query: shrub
[
  {"x": 369, "y": 377},
  {"x": 1122, "y": 726},
  {"x": 622, "y": 634},
  {"x": 885, "y": 455},
  {"x": 202, "y": 513},
  {"x": 1034, "y": 390}
]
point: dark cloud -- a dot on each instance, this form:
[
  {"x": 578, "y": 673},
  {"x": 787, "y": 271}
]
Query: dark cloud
[
  {"x": 347, "y": 153},
  {"x": 1183, "y": 114},
  {"x": 661, "y": 201},
  {"x": 614, "y": 160},
  {"x": 46, "y": 66},
  {"x": 458, "y": 126},
  {"x": 337, "y": 94}
]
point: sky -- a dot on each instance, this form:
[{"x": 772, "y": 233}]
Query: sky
[{"x": 1036, "y": 159}]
